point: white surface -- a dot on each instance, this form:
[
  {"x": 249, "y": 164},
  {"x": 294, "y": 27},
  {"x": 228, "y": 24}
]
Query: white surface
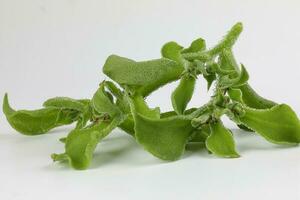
[{"x": 56, "y": 48}]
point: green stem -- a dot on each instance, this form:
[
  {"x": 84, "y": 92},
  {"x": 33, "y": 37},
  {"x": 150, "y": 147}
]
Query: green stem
[{"x": 227, "y": 42}]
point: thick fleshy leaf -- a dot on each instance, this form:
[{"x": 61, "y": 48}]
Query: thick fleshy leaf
[
  {"x": 227, "y": 61},
  {"x": 121, "y": 101},
  {"x": 139, "y": 105},
  {"x": 253, "y": 100},
  {"x": 200, "y": 135},
  {"x": 197, "y": 45},
  {"x": 113, "y": 89},
  {"x": 128, "y": 125},
  {"x": 102, "y": 103},
  {"x": 236, "y": 95},
  {"x": 173, "y": 113},
  {"x": 120, "y": 108},
  {"x": 279, "y": 124},
  {"x": 165, "y": 138},
  {"x": 210, "y": 79},
  {"x": 143, "y": 77},
  {"x": 81, "y": 143},
  {"x": 183, "y": 93},
  {"x": 84, "y": 117},
  {"x": 202, "y": 68},
  {"x": 65, "y": 102},
  {"x": 220, "y": 141},
  {"x": 81, "y": 105},
  {"x": 242, "y": 79},
  {"x": 35, "y": 122},
  {"x": 201, "y": 120},
  {"x": 249, "y": 96},
  {"x": 214, "y": 67},
  {"x": 172, "y": 51}
]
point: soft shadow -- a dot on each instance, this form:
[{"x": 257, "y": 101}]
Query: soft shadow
[
  {"x": 102, "y": 158},
  {"x": 251, "y": 141},
  {"x": 119, "y": 148},
  {"x": 265, "y": 147},
  {"x": 58, "y": 166},
  {"x": 241, "y": 133},
  {"x": 196, "y": 148},
  {"x": 63, "y": 129},
  {"x": 9, "y": 134}
]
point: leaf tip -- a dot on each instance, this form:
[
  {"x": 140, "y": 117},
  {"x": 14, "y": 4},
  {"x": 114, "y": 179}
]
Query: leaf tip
[
  {"x": 235, "y": 155},
  {"x": 5, "y": 98},
  {"x": 7, "y": 110},
  {"x": 239, "y": 25},
  {"x": 59, "y": 157}
]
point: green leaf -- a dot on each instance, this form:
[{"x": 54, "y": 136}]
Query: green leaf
[
  {"x": 209, "y": 79},
  {"x": 103, "y": 104},
  {"x": 183, "y": 93},
  {"x": 200, "y": 135},
  {"x": 86, "y": 102},
  {"x": 164, "y": 138},
  {"x": 172, "y": 51},
  {"x": 197, "y": 45},
  {"x": 142, "y": 77},
  {"x": 139, "y": 105},
  {"x": 128, "y": 125},
  {"x": 220, "y": 141},
  {"x": 201, "y": 67},
  {"x": 236, "y": 95},
  {"x": 279, "y": 124},
  {"x": 35, "y": 122},
  {"x": 249, "y": 96},
  {"x": 242, "y": 79},
  {"x": 65, "y": 103},
  {"x": 84, "y": 117},
  {"x": 214, "y": 67},
  {"x": 81, "y": 143},
  {"x": 253, "y": 100},
  {"x": 227, "y": 61},
  {"x": 113, "y": 89},
  {"x": 173, "y": 113},
  {"x": 201, "y": 120},
  {"x": 81, "y": 105},
  {"x": 121, "y": 101}
]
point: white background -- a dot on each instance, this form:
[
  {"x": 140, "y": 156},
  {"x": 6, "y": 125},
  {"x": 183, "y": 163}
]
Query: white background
[{"x": 57, "y": 48}]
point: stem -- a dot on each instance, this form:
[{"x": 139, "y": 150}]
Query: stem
[
  {"x": 202, "y": 56},
  {"x": 199, "y": 110},
  {"x": 227, "y": 42},
  {"x": 230, "y": 61}
]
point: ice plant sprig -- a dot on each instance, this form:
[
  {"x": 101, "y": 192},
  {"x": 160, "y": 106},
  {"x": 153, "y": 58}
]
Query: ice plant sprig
[{"x": 165, "y": 135}]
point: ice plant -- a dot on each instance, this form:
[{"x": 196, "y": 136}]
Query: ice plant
[{"x": 165, "y": 135}]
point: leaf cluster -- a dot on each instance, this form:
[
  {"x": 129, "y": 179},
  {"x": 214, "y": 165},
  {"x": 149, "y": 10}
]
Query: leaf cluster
[{"x": 122, "y": 104}]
